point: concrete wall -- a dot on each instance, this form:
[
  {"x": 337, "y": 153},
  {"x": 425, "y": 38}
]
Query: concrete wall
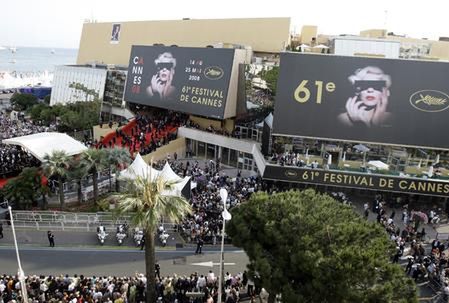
[
  {"x": 262, "y": 34},
  {"x": 178, "y": 146},
  {"x": 216, "y": 124}
]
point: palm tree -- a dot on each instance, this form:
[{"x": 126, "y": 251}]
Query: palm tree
[
  {"x": 57, "y": 165},
  {"x": 77, "y": 172},
  {"x": 148, "y": 203},
  {"x": 116, "y": 158},
  {"x": 94, "y": 161}
]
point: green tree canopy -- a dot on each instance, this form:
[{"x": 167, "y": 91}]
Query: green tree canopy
[
  {"x": 310, "y": 248},
  {"x": 116, "y": 159},
  {"x": 22, "y": 102},
  {"x": 24, "y": 189},
  {"x": 271, "y": 78}
]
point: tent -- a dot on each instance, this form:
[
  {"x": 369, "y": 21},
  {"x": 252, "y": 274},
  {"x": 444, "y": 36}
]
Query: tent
[
  {"x": 183, "y": 184},
  {"x": 45, "y": 143},
  {"x": 139, "y": 168}
]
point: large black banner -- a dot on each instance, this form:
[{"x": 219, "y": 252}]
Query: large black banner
[
  {"x": 191, "y": 80},
  {"x": 357, "y": 180},
  {"x": 401, "y": 102}
]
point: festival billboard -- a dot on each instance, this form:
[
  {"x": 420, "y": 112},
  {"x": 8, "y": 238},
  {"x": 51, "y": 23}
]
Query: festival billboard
[
  {"x": 185, "y": 79},
  {"x": 347, "y": 179},
  {"x": 373, "y": 100}
]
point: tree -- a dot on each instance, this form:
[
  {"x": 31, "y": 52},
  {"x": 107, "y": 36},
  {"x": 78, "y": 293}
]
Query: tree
[
  {"x": 94, "y": 161},
  {"x": 271, "y": 78},
  {"x": 81, "y": 88},
  {"x": 56, "y": 165},
  {"x": 310, "y": 248},
  {"x": 23, "y": 190},
  {"x": 36, "y": 110},
  {"x": 147, "y": 204},
  {"x": 116, "y": 158},
  {"x": 22, "y": 102},
  {"x": 77, "y": 172}
]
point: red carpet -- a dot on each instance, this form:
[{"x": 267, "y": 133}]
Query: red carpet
[
  {"x": 127, "y": 129},
  {"x": 3, "y": 182}
]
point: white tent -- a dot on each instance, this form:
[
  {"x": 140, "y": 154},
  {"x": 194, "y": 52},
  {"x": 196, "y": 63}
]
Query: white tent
[
  {"x": 45, "y": 143},
  {"x": 139, "y": 168},
  {"x": 378, "y": 164},
  {"x": 168, "y": 173}
]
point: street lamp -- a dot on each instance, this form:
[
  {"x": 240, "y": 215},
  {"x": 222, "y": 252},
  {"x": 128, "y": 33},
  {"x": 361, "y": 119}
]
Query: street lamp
[
  {"x": 226, "y": 217},
  {"x": 21, "y": 273}
]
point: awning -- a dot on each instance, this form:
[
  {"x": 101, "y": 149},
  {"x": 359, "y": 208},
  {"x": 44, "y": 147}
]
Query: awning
[{"x": 46, "y": 143}]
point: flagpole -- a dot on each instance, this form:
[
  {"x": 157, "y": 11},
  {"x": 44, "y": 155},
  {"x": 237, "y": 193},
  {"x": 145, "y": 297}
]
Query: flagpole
[
  {"x": 220, "y": 277},
  {"x": 20, "y": 273}
]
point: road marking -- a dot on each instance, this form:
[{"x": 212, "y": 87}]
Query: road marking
[{"x": 211, "y": 264}]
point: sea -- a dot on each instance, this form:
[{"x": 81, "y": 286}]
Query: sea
[{"x": 35, "y": 59}]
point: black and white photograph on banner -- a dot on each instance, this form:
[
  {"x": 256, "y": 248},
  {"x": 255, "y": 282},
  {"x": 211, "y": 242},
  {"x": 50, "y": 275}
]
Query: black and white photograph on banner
[
  {"x": 191, "y": 80},
  {"x": 373, "y": 100}
]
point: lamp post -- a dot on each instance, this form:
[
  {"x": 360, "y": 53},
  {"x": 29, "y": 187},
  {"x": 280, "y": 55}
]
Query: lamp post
[
  {"x": 21, "y": 273},
  {"x": 226, "y": 217}
]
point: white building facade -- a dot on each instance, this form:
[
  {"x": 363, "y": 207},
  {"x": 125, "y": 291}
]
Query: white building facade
[{"x": 66, "y": 79}]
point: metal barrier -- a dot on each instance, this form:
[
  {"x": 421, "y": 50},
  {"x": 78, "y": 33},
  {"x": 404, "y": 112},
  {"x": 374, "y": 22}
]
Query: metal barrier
[{"x": 66, "y": 221}]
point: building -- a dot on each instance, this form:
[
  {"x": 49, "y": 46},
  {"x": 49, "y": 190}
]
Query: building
[
  {"x": 265, "y": 36},
  {"x": 111, "y": 43},
  {"x": 72, "y": 82}
]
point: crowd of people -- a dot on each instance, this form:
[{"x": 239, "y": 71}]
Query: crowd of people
[
  {"x": 194, "y": 288},
  {"x": 293, "y": 159},
  {"x": 424, "y": 264},
  {"x": 205, "y": 224},
  {"x": 148, "y": 133},
  {"x": 13, "y": 158}
]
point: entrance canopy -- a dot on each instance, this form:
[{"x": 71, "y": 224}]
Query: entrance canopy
[{"x": 45, "y": 143}]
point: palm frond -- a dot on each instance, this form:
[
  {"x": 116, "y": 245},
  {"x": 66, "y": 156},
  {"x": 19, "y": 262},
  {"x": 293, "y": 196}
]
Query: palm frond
[{"x": 148, "y": 204}]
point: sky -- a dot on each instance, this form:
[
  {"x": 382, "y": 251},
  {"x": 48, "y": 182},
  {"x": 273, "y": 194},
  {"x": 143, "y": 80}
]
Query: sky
[{"x": 58, "y": 23}]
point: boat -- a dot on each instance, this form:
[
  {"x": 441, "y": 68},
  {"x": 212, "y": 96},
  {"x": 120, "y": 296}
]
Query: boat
[
  {"x": 13, "y": 49},
  {"x": 52, "y": 51},
  {"x": 2, "y": 48}
]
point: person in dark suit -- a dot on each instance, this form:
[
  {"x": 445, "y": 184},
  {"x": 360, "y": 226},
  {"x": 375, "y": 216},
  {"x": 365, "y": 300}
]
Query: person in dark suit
[
  {"x": 51, "y": 238},
  {"x": 199, "y": 245},
  {"x": 436, "y": 244},
  {"x": 1, "y": 230}
]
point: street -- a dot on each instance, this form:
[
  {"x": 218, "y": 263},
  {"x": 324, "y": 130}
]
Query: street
[{"x": 114, "y": 262}]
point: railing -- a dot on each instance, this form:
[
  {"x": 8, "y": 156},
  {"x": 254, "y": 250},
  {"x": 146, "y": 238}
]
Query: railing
[{"x": 66, "y": 221}]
